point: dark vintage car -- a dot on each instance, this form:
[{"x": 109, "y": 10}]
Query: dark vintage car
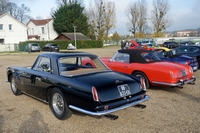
[
  {"x": 51, "y": 47},
  {"x": 170, "y": 44},
  {"x": 193, "y": 51},
  {"x": 67, "y": 83},
  {"x": 173, "y": 56},
  {"x": 186, "y": 43}
]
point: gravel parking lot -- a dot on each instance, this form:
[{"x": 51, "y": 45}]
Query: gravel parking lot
[{"x": 169, "y": 110}]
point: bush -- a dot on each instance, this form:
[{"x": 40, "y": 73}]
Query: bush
[{"x": 80, "y": 44}]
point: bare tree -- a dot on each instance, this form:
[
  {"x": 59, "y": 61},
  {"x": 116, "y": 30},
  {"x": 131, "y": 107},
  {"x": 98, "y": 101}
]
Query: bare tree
[
  {"x": 4, "y": 6},
  {"x": 142, "y": 17},
  {"x": 110, "y": 17},
  {"x": 137, "y": 17},
  {"x": 132, "y": 14},
  {"x": 19, "y": 13},
  {"x": 23, "y": 14},
  {"x": 67, "y": 2},
  {"x": 159, "y": 18},
  {"x": 101, "y": 17}
]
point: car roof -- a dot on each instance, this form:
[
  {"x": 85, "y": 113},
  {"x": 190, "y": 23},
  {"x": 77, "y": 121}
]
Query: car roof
[
  {"x": 66, "y": 54},
  {"x": 135, "y": 54}
]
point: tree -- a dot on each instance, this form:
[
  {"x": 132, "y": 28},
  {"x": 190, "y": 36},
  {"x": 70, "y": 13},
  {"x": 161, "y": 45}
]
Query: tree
[
  {"x": 102, "y": 18},
  {"x": 67, "y": 2},
  {"x": 137, "y": 17},
  {"x": 159, "y": 18},
  {"x": 68, "y": 16},
  {"x": 19, "y": 13},
  {"x": 22, "y": 14}
]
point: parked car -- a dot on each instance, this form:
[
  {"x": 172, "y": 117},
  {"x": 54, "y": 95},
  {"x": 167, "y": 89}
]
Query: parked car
[
  {"x": 173, "y": 56},
  {"x": 144, "y": 63},
  {"x": 67, "y": 83},
  {"x": 32, "y": 47},
  {"x": 71, "y": 47},
  {"x": 170, "y": 44},
  {"x": 185, "y": 43},
  {"x": 193, "y": 51},
  {"x": 51, "y": 47}
]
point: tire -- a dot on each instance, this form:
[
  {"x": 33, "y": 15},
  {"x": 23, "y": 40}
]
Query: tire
[
  {"x": 13, "y": 86},
  {"x": 58, "y": 105},
  {"x": 141, "y": 74}
]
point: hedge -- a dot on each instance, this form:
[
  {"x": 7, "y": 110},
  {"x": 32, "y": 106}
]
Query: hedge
[{"x": 80, "y": 44}]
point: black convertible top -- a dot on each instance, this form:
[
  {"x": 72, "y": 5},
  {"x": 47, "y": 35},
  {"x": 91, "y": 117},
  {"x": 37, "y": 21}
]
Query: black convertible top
[{"x": 135, "y": 54}]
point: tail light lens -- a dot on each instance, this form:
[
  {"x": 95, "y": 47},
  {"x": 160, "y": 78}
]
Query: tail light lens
[
  {"x": 95, "y": 94},
  {"x": 143, "y": 85}
]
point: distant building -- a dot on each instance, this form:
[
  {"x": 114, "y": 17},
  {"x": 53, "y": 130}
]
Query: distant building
[
  {"x": 41, "y": 29},
  {"x": 11, "y": 30},
  {"x": 71, "y": 36},
  {"x": 188, "y": 33}
]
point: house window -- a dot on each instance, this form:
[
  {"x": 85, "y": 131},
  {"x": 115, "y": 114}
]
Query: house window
[
  {"x": 10, "y": 26},
  {"x": 42, "y": 30},
  {"x": 1, "y": 41},
  {"x": 32, "y": 31},
  {"x": 1, "y": 26}
]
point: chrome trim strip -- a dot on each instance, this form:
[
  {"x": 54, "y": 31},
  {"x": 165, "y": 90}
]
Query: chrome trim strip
[
  {"x": 109, "y": 111},
  {"x": 180, "y": 83}
]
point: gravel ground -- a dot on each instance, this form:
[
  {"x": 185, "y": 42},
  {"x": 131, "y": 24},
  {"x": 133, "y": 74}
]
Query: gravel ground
[{"x": 169, "y": 110}]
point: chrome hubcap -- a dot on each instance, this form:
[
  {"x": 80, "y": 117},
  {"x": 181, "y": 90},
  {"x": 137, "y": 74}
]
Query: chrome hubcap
[{"x": 58, "y": 103}]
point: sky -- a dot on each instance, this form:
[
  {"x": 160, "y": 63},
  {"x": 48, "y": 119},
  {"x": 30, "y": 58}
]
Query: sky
[{"x": 184, "y": 13}]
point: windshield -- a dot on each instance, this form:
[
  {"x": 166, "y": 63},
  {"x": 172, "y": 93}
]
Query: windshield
[
  {"x": 150, "y": 56},
  {"x": 71, "y": 66}
]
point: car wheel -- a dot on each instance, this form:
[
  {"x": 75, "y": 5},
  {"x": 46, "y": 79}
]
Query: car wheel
[
  {"x": 140, "y": 74},
  {"x": 58, "y": 105},
  {"x": 14, "y": 88}
]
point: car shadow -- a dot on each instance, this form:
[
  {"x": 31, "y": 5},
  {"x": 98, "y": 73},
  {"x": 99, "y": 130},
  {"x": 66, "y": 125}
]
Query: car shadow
[
  {"x": 34, "y": 124},
  {"x": 177, "y": 91},
  {"x": 1, "y": 123}
]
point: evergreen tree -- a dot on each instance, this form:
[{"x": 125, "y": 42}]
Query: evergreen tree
[{"x": 68, "y": 16}]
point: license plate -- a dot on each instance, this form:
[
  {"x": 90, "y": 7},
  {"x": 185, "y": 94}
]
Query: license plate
[{"x": 124, "y": 90}]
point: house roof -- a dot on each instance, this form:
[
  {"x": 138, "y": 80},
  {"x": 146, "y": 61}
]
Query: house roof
[
  {"x": 79, "y": 36},
  {"x": 4, "y": 14},
  {"x": 40, "y": 22}
]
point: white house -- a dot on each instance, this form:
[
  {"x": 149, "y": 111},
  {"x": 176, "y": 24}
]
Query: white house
[
  {"x": 11, "y": 31},
  {"x": 41, "y": 29}
]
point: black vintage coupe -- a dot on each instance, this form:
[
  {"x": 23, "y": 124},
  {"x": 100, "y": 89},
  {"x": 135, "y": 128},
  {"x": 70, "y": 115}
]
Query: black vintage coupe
[{"x": 66, "y": 83}]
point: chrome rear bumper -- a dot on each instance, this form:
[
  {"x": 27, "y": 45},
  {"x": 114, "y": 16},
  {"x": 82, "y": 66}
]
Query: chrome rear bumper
[
  {"x": 111, "y": 110},
  {"x": 180, "y": 83}
]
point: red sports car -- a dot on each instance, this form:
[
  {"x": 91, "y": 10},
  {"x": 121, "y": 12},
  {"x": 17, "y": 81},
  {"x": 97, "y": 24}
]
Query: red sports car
[
  {"x": 144, "y": 63},
  {"x": 135, "y": 45}
]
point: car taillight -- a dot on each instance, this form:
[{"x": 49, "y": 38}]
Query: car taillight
[
  {"x": 95, "y": 94},
  {"x": 142, "y": 81}
]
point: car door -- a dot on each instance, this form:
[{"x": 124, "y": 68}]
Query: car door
[
  {"x": 120, "y": 62},
  {"x": 36, "y": 78}
]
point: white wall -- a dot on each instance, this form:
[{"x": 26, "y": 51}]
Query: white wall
[{"x": 18, "y": 32}]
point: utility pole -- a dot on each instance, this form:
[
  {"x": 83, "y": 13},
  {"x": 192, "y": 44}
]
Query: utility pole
[{"x": 75, "y": 34}]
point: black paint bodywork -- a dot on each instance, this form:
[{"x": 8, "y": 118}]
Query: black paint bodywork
[{"x": 78, "y": 89}]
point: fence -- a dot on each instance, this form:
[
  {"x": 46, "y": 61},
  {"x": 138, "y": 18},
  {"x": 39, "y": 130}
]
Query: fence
[{"x": 11, "y": 47}]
